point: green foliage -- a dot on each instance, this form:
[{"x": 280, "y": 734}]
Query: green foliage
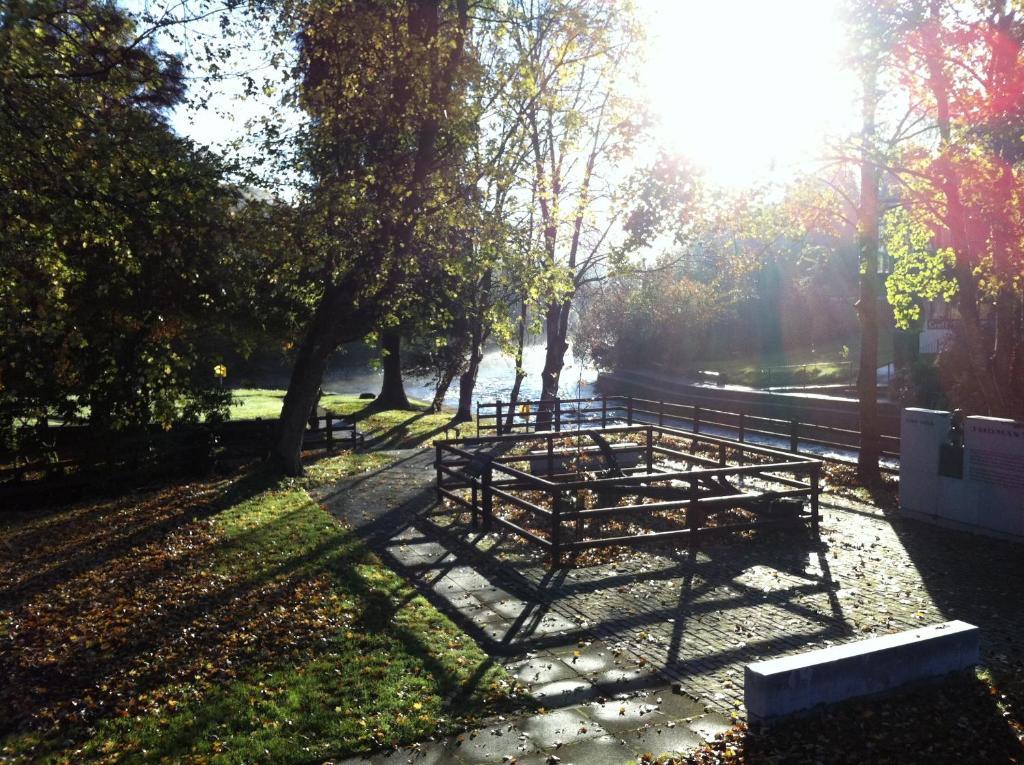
[
  {"x": 921, "y": 272},
  {"x": 745, "y": 279},
  {"x": 125, "y": 249},
  {"x": 653, "y": 320},
  {"x": 383, "y": 90}
]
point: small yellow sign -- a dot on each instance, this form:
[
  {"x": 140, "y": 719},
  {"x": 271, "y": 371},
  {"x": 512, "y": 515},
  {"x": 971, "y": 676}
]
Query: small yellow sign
[{"x": 220, "y": 371}]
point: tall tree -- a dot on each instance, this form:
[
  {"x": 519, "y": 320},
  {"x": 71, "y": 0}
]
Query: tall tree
[
  {"x": 875, "y": 26},
  {"x": 963, "y": 68},
  {"x": 870, "y": 24},
  {"x": 580, "y": 124},
  {"x": 124, "y": 246},
  {"x": 382, "y": 85}
]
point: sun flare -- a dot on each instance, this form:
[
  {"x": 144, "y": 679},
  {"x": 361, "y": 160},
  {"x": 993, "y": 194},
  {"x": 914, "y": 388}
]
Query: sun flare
[{"x": 748, "y": 90}]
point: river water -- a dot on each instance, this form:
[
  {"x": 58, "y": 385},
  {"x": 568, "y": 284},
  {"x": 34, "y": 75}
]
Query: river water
[{"x": 494, "y": 382}]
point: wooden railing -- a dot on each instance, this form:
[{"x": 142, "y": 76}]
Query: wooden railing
[
  {"x": 538, "y": 474},
  {"x": 324, "y": 429},
  {"x": 69, "y": 453},
  {"x": 565, "y": 414}
]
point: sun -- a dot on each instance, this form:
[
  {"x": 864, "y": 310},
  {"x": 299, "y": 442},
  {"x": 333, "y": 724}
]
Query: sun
[{"x": 748, "y": 90}]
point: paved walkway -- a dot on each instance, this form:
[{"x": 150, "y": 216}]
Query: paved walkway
[{"x": 607, "y": 647}]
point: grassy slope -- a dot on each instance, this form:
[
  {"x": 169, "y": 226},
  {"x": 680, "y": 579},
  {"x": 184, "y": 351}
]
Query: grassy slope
[
  {"x": 221, "y": 622},
  {"x": 827, "y": 364},
  {"x": 392, "y": 429}
]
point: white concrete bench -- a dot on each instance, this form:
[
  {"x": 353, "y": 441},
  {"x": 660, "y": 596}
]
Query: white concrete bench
[{"x": 792, "y": 684}]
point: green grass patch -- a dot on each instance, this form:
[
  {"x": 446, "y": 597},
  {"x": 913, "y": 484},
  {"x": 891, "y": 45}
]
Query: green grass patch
[
  {"x": 221, "y": 622},
  {"x": 834, "y": 363},
  {"x": 332, "y": 469},
  {"x": 389, "y": 429}
]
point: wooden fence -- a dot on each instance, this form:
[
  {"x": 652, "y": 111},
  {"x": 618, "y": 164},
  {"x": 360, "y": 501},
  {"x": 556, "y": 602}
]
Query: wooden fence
[
  {"x": 67, "y": 457},
  {"x": 478, "y": 473},
  {"x": 565, "y": 414}
]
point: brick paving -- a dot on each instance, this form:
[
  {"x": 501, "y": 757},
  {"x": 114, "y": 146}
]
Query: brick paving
[{"x": 625, "y": 630}]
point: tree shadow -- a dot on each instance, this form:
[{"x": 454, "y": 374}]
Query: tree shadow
[
  {"x": 100, "y": 636},
  {"x": 954, "y": 720},
  {"x": 403, "y": 434},
  {"x": 976, "y": 579},
  {"x": 54, "y": 545}
]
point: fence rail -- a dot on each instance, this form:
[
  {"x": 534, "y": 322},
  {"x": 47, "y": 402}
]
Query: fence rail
[
  {"x": 69, "y": 453},
  {"x": 548, "y": 490},
  {"x": 501, "y": 417}
]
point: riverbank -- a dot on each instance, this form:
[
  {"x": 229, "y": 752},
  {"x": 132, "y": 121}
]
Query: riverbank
[{"x": 494, "y": 380}]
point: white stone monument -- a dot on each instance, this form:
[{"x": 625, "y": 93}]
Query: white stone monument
[
  {"x": 994, "y": 472},
  {"x": 989, "y": 498}
]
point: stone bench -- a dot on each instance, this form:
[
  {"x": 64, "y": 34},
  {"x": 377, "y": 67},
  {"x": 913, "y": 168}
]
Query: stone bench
[{"x": 792, "y": 684}]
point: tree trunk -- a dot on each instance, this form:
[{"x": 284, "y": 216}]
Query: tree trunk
[
  {"x": 513, "y": 398},
  {"x": 867, "y": 306},
  {"x": 556, "y": 329},
  {"x": 977, "y": 343},
  {"x": 467, "y": 384},
  {"x": 392, "y": 389},
  {"x": 478, "y": 336},
  {"x": 333, "y": 323},
  {"x": 1016, "y": 389},
  {"x": 442, "y": 390},
  {"x": 1006, "y": 338}
]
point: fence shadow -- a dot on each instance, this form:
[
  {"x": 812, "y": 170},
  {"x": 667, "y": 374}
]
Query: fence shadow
[{"x": 599, "y": 601}]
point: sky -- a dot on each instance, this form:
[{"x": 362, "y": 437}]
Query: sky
[{"x": 746, "y": 89}]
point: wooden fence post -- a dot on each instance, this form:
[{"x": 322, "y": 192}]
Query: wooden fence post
[
  {"x": 692, "y": 513},
  {"x": 551, "y": 456},
  {"x": 696, "y": 418},
  {"x": 475, "y": 510},
  {"x": 558, "y": 414},
  {"x": 478, "y": 419},
  {"x": 650, "y": 449},
  {"x": 815, "y": 489},
  {"x": 742, "y": 427},
  {"x": 629, "y": 410},
  {"x": 437, "y": 468},
  {"x": 604, "y": 411},
  {"x": 556, "y": 529},
  {"x": 499, "y": 423},
  {"x": 661, "y": 412},
  {"x": 794, "y": 437},
  {"x": 488, "y": 499},
  {"x": 330, "y": 428}
]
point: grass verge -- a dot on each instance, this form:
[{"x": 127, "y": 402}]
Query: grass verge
[
  {"x": 830, "y": 363},
  {"x": 390, "y": 429},
  {"x": 220, "y": 621}
]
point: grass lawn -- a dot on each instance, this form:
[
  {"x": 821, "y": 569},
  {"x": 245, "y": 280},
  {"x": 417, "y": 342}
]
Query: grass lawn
[
  {"x": 221, "y": 621},
  {"x": 827, "y": 364},
  {"x": 391, "y": 429}
]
